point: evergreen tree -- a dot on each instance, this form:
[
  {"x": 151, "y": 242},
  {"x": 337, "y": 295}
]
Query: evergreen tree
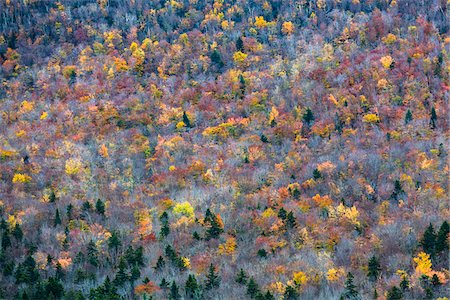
[
  {"x": 394, "y": 294},
  {"x": 290, "y": 293},
  {"x": 350, "y": 288},
  {"x": 442, "y": 238},
  {"x": 215, "y": 229},
  {"x": 433, "y": 118},
  {"x": 212, "y": 279},
  {"x": 282, "y": 214},
  {"x": 52, "y": 197},
  {"x": 317, "y": 174},
  {"x": 17, "y": 232},
  {"x": 269, "y": 296},
  {"x": 373, "y": 268},
  {"x": 6, "y": 240},
  {"x": 164, "y": 284},
  {"x": 57, "y": 218},
  {"x": 160, "y": 263},
  {"x": 241, "y": 277},
  {"x": 240, "y": 44},
  {"x": 121, "y": 276},
  {"x": 308, "y": 116},
  {"x": 264, "y": 138},
  {"x": 54, "y": 288},
  {"x": 59, "y": 274},
  {"x": 428, "y": 241},
  {"x": 135, "y": 273},
  {"x": 114, "y": 241},
  {"x": 435, "y": 280},
  {"x": 87, "y": 206},
  {"x": 290, "y": 220},
  {"x": 174, "y": 293},
  {"x": 186, "y": 120},
  {"x": 92, "y": 254},
  {"x": 252, "y": 288},
  {"x": 408, "y": 117},
  {"x": 100, "y": 207},
  {"x": 26, "y": 272},
  {"x": 216, "y": 58},
  {"x": 192, "y": 288},
  {"x": 404, "y": 283},
  {"x": 69, "y": 211}
]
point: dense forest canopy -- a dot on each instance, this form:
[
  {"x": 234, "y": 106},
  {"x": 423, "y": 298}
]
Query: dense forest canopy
[{"x": 249, "y": 149}]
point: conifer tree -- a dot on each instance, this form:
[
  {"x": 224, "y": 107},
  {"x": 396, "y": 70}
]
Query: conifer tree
[
  {"x": 373, "y": 268},
  {"x": 442, "y": 238},
  {"x": 212, "y": 279},
  {"x": 252, "y": 288},
  {"x": 428, "y": 241},
  {"x": 57, "y": 218},
  {"x": 241, "y": 277}
]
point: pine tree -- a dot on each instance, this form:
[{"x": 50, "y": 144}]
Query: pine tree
[
  {"x": 57, "y": 219},
  {"x": 240, "y": 44},
  {"x": 212, "y": 279},
  {"x": 121, "y": 276},
  {"x": 215, "y": 228},
  {"x": 408, "y": 117},
  {"x": 6, "y": 240},
  {"x": 216, "y": 58},
  {"x": 174, "y": 293},
  {"x": 17, "y": 232},
  {"x": 252, "y": 288},
  {"x": 282, "y": 214},
  {"x": 92, "y": 253},
  {"x": 69, "y": 211},
  {"x": 59, "y": 274},
  {"x": 435, "y": 280},
  {"x": 308, "y": 116},
  {"x": 350, "y": 288},
  {"x": 192, "y": 287},
  {"x": 114, "y": 241},
  {"x": 317, "y": 174},
  {"x": 186, "y": 120},
  {"x": 442, "y": 238},
  {"x": 52, "y": 197},
  {"x": 428, "y": 241},
  {"x": 100, "y": 207},
  {"x": 164, "y": 284},
  {"x": 269, "y": 296},
  {"x": 394, "y": 294},
  {"x": 160, "y": 263},
  {"x": 404, "y": 283},
  {"x": 290, "y": 220},
  {"x": 135, "y": 273},
  {"x": 241, "y": 277},
  {"x": 373, "y": 268},
  {"x": 433, "y": 118},
  {"x": 54, "y": 289},
  {"x": 290, "y": 293}
]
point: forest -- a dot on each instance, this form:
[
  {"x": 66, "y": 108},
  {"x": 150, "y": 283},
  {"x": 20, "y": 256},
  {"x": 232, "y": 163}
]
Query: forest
[{"x": 224, "y": 149}]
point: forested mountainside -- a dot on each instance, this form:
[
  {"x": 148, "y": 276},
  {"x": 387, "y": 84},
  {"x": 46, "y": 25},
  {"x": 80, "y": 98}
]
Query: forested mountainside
[{"x": 242, "y": 149}]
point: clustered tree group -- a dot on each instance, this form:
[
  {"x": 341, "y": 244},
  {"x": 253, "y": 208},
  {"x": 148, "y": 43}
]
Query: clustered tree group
[{"x": 251, "y": 149}]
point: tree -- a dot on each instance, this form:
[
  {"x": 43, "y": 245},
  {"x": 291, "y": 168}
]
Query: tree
[
  {"x": 174, "y": 293},
  {"x": 252, "y": 288},
  {"x": 428, "y": 241},
  {"x": 373, "y": 268},
  {"x": 215, "y": 228},
  {"x": 216, "y": 58},
  {"x": 408, "y": 117},
  {"x": 350, "y": 288},
  {"x": 114, "y": 241},
  {"x": 394, "y": 293},
  {"x": 6, "y": 240},
  {"x": 54, "y": 288},
  {"x": 17, "y": 232},
  {"x": 442, "y": 238},
  {"x": 290, "y": 220},
  {"x": 212, "y": 279},
  {"x": 308, "y": 116},
  {"x": 165, "y": 229},
  {"x": 241, "y": 277},
  {"x": 186, "y": 120},
  {"x": 435, "y": 280},
  {"x": 433, "y": 118},
  {"x": 160, "y": 263},
  {"x": 92, "y": 253},
  {"x": 290, "y": 293},
  {"x": 100, "y": 207},
  {"x": 192, "y": 288},
  {"x": 57, "y": 219},
  {"x": 121, "y": 276},
  {"x": 240, "y": 45}
]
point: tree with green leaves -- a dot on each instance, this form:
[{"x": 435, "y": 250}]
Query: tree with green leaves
[
  {"x": 350, "y": 288},
  {"x": 252, "y": 287},
  {"x": 394, "y": 293},
  {"x": 212, "y": 279},
  {"x": 428, "y": 241},
  {"x": 240, "y": 44},
  {"x": 100, "y": 207},
  {"x": 408, "y": 117},
  {"x": 114, "y": 241},
  {"x": 241, "y": 277},
  {"x": 92, "y": 254},
  {"x": 308, "y": 116},
  {"x": 433, "y": 118},
  {"x": 160, "y": 263},
  {"x": 57, "y": 218},
  {"x": 215, "y": 228},
  {"x": 373, "y": 268},
  {"x": 17, "y": 232},
  {"x": 442, "y": 238},
  {"x": 192, "y": 288},
  {"x": 186, "y": 120},
  {"x": 290, "y": 293},
  {"x": 122, "y": 275},
  {"x": 174, "y": 292},
  {"x": 53, "y": 288}
]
